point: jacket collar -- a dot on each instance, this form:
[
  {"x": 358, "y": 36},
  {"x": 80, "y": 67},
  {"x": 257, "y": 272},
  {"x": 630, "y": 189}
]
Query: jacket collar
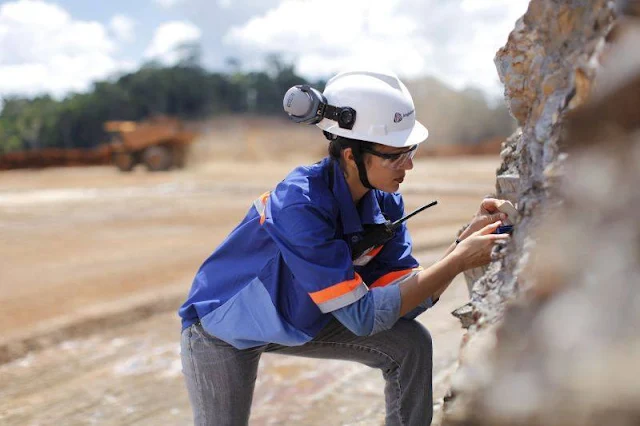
[{"x": 367, "y": 212}]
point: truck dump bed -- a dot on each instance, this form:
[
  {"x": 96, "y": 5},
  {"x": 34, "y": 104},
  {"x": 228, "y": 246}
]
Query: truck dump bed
[{"x": 133, "y": 136}]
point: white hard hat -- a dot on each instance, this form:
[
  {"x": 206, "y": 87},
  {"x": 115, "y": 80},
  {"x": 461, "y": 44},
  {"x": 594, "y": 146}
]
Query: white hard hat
[{"x": 384, "y": 109}]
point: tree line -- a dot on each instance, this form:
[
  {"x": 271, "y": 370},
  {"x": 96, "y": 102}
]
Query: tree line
[{"x": 189, "y": 91}]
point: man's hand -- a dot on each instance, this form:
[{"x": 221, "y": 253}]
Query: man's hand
[{"x": 487, "y": 213}]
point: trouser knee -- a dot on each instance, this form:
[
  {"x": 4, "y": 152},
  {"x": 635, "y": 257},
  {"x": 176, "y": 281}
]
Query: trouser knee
[{"x": 421, "y": 347}]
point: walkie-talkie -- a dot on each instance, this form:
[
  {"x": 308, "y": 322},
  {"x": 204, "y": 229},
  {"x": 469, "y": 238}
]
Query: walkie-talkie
[{"x": 379, "y": 234}]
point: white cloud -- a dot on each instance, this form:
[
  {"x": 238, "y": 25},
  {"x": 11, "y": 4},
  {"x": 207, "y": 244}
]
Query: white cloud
[
  {"x": 455, "y": 40},
  {"x": 44, "y": 50},
  {"x": 168, "y": 37},
  {"x": 122, "y": 28},
  {"x": 168, "y": 4}
]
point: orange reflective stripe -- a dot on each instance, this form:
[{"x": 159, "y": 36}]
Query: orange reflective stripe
[
  {"x": 263, "y": 200},
  {"x": 336, "y": 290},
  {"x": 390, "y": 277},
  {"x": 375, "y": 251},
  {"x": 366, "y": 258}
]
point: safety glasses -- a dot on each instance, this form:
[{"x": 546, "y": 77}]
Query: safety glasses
[{"x": 395, "y": 161}]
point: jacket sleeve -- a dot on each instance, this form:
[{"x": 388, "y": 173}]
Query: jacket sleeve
[
  {"x": 320, "y": 263},
  {"x": 377, "y": 311}
]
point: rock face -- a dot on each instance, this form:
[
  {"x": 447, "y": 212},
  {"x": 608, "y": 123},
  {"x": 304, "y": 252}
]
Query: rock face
[{"x": 555, "y": 322}]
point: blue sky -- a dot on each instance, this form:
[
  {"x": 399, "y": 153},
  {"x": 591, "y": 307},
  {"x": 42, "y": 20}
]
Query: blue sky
[
  {"x": 57, "y": 46},
  {"x": 144, "y": 13}
]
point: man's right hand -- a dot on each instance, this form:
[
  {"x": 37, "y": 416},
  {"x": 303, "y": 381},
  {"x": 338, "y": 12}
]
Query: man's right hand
[{"x": 475, "y": 250}]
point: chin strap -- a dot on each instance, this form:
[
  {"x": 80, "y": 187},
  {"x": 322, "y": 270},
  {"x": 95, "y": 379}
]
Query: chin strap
[
  {"x": 362, "y": 170},
  {"x": 357, "y": 155}
]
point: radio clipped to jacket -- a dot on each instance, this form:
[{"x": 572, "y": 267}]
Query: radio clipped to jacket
[{"x": 377, "y": 235}]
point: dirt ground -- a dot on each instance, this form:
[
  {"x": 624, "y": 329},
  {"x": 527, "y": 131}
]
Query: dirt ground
[{"x": 94, "y": 263}]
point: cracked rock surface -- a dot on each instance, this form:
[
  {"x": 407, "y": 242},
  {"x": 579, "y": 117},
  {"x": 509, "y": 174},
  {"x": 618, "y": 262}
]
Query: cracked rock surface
[{"x": 555, "y": 331}]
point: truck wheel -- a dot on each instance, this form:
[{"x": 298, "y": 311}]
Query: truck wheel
[
  {"x": 157, "y": 158},
  {"x": 179, "y": 157},
  {"x": 124, "y": 161}
]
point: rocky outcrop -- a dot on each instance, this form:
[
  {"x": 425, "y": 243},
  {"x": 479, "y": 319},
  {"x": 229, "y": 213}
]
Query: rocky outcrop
[{"x": 554, "y": 324}]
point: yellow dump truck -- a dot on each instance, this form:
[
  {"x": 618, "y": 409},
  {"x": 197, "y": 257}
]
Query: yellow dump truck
[{"x": 159, "y": 143}]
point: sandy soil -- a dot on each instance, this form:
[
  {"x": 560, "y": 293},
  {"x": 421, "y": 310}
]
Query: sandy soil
[{"x": 93, "y": 264}]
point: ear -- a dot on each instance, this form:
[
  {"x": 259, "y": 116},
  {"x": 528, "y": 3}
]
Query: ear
[{"x": 347, "y": 156}]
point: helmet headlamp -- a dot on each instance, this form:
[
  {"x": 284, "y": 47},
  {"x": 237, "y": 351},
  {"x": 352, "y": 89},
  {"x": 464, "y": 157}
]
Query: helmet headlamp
[{"x": 304, "y": 104}]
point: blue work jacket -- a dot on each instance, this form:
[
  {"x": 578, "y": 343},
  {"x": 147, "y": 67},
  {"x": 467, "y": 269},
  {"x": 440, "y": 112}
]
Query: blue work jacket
[{"x": 281, "y": 272}]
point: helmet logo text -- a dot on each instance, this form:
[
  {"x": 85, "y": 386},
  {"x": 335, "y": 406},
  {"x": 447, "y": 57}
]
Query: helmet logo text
[{"x": 398, "y": 116}]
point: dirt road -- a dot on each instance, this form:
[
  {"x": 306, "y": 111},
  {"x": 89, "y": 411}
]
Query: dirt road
[{"x": 94, "y": 264}]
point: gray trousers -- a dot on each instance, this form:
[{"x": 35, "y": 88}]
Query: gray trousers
[{"x": 220, "y": 378}]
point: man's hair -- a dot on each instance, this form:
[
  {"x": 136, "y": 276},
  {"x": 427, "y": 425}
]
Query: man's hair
[{"x": 340, "y": 143}]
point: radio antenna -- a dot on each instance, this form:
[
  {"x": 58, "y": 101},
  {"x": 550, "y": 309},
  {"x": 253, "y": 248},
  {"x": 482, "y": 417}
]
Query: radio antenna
[{"x": 410, "y": 215}]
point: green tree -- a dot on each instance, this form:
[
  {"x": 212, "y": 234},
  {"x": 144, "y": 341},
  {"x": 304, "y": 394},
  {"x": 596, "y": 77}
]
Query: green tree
[{"x": 189, "y": 91}]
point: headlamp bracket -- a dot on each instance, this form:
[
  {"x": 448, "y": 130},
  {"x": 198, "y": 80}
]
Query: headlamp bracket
[{"x": 345, "y": 116}]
